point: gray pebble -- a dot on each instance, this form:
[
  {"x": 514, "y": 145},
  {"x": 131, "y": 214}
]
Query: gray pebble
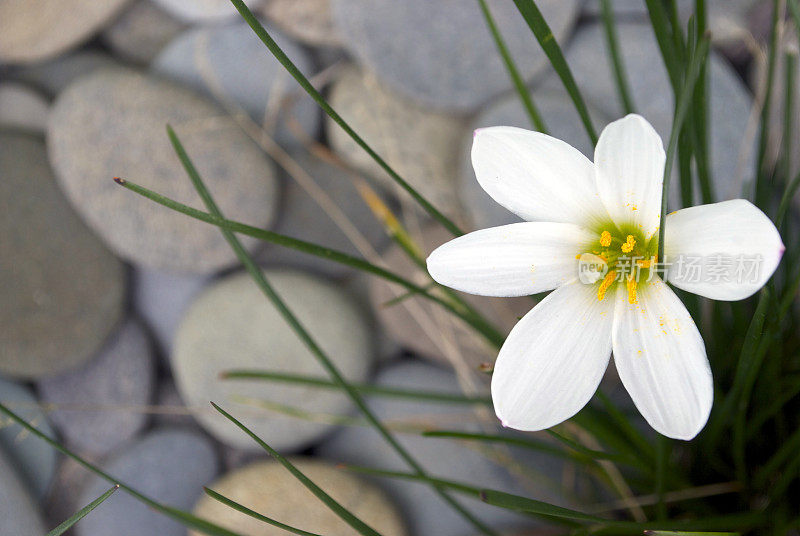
[
  {"x": 419, "y": 143},
  {"x": 231, "y": 64},
  {"x": 562, "y": 121},
  {"x": 104, "y": 400},
  {"x": 141, "y": 31},
  {"x": 35, "y": 30},
  {"x": 62, "y": 290},
  {"x": 442, "y": 53},
  {"x": 302, "y": 217},
  {"x": 19, "y": 514},
  {"x": 425, "y": 511},
  {"x": 308, "y": 21},
  {"x": 232, "y": 325},
  {"x": 112, "y": 123},
  {"x": 34, "y": 460},
  {"x": 22, "y": 108},
  {"x": 54, "y": 75},
  {"x": 170, "y": 466},
  {"x": 161, "y": 298},
  {"x": 203, "y": 10},
  {"x": 286, "y": 498}
]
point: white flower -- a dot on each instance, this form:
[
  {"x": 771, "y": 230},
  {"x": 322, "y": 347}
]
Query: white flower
[{"x": 607, "y": 212}]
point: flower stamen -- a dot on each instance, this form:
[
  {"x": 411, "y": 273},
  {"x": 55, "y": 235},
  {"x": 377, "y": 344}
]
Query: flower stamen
[
  {"x": 605, "y": 239},
  {"x": 631, "y": 285},
  {"x": 608, "y": 280},
  {"x": 630, "y": 242}
]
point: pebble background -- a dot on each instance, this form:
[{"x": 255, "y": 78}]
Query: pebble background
[{"x": 117, "y": 316}]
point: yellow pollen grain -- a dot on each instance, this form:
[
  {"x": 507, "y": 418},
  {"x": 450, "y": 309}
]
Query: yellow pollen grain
[
  {"x": 605, "y": 239},
  {"x": 627, "y": 247},
  {"x": 631, "y": 284},
  {"x": 607, "y": 281}
]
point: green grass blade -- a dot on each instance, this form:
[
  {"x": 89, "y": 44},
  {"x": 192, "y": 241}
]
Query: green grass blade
[
  {"x": 477, "y": 322},
  {"x": 684, "y": 533},
  {"x": 509, "y": 501},
  {"x": 760, "y": 190},
  {"x": 788, "y": 130},
  {"x": 343, "y": 513},
  {"x": 255, "y": 515},
  {"x": 185, "y": 518},
  {"x": 83, "y": 512},
  {"x": 743, "y": 370},
  {"x": 785, "y": 454},
  {"x": 364, "y": 389},
  {"x": 659, "y": 20},
  {"x": 273, "y": 47},
  {"x": 522, "y": 89},
  {"x": 496, "y": 498},
  {"x": 547, "y": 41},
  {"x": 683, "y": 100},
  {"x": 294, "y": 323},
  {"x": 620, "y": 76},
  {"x": 701, "y": 105}
]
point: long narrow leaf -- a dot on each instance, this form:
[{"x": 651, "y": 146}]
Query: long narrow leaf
[
  {"x": 83, "y": 512},
  {"x": 682, "y": 106},
  {"x": 541, "y": 30},
  {"x": 185, "y": 518},
  {"x": 620, "y": 76},
  {"x": 522, "y": 89},
  {"x": 366, "y": 389},
  {"x": 276, "y": 50},
  {"x": 478, "y": 323},
  {"x": 343, "y": 513},
  {"x": 294, "y": 323},
  {"x": 255, "y": 515}
]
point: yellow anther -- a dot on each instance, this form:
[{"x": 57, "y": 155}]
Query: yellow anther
[
  {"x": 607, "y": 281},
  {"x": 631, "y": 284},
  {"x": 627, "y": 247},
  {"x": 605, "y": 239}
]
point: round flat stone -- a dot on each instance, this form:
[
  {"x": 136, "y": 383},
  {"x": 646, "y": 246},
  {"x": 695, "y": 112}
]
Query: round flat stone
[
  {"x": 419, "y": 143},
  {"x": 308, "y": 21},
  {"x": 33, "y": 459},
  {"x": 562, "y": 121},
  {"x": 425, "y": 511},
  {"x": 62, "y": 290},
  {"x": 103, "y": 400},
  {"x": 141, "y": 31},
  {"x": 170, "y": 466},
  {"x": 427, "y": 329},
  {"x": 112, "y": 123},
  {"x": 442, "y": 53},
  {"x": 28, "y": 26},
  {"x": 732, "y": 152},
  {"x": 286, "y": 499},
  {"x": 203, "y": 10},
  {"x": 161, "y": 298},
  {"x": 302, "y": 217},
  {"x": 231, "y": 64},
  {"x": 22, "y": 108},
  {"x": 19, "y": 514},
  {"x": 54, "y": 75},
  {"x": 232, "y": 325}
]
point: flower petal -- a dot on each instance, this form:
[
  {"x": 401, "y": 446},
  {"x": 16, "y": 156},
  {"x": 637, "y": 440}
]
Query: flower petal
[
  {"x": 629, "y": 165},
  {"x": 553, "y": 359},
  {"x": 536, "y": 176},
  {"x": 661, "y": 360},
  {"x": 512, "y": 260},
  {"x": 723, "y": 251}
]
